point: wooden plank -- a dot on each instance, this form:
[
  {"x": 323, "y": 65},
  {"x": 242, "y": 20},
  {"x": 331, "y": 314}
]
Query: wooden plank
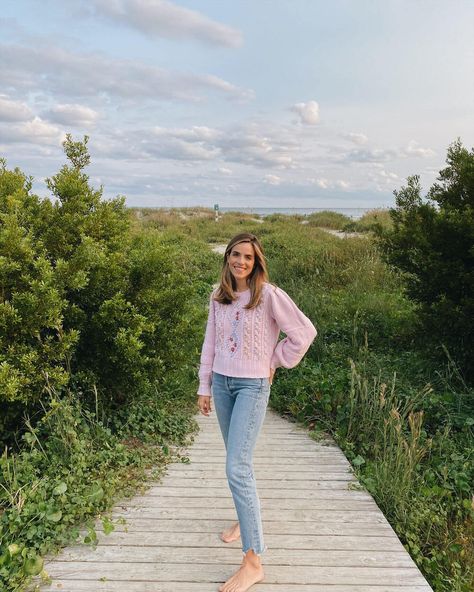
[
  {"x": 267, "y": 474},
  {"x": 203, "y": 513},
  {"x": 173, "y": 586},
  {"x": 327, "y": 459},
  {"x": 211, "y": 539},
  {"x": 312, "y": 464},
  {"x": 265, "y": 503},
  {"x": 269, "y": 526},
  {"x": 208, "y": 572},
  {"x": 201, "y": 555},
  {"x": 190, "y": 482},
  {"x": 201, "y": 456},
  {"x": 164, "y": 491}
]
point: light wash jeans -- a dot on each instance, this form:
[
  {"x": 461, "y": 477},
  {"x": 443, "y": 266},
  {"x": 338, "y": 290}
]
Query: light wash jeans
[{"x": 240, "y": 405}]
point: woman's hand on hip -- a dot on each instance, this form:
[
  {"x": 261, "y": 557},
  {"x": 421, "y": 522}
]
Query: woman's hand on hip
[{"x": 204, "y": 404}]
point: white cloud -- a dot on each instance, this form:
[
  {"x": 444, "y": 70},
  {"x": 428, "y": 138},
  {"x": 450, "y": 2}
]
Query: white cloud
[
  {"x": 53, "y": 70},
  {"x": 413, "y": 149},
  {"x": 14, "y": 110},
  {"x": 247, "y": 145},
  {"x": 387, "y": 175},
  {"x": 357, "y": 138},
  {"x": 371, "y": 155},
  {"x": 73, "y": 115},
  {"x": 195, "y": 133},
  {"x": 224, "y": 171},
  {"x": 160, "y": 18},
  {"x": 308, "y": 112},
  {"x": 324, "y": 183},
  {"x": 35, "y": 131},
  {"x": 252, "y": 146},
  {"x": 272, "y": 179}
]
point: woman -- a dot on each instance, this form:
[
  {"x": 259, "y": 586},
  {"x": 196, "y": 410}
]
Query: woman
[{"x": 238, "y": 360}]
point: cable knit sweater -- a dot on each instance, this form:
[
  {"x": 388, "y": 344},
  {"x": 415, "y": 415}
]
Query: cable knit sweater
[{"x": 244, "y": 343}]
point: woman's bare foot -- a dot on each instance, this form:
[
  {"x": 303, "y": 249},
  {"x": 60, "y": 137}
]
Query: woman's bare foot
[
  {"x": 249, "y": 573},
  {"x": 231, "y": 534}
]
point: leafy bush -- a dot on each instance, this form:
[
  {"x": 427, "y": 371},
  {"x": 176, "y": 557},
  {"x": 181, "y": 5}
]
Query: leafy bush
[
  {"x": 87, "y": 303},
  {"x": 373, "y": 220},
  {"x": 328, "y": 219},
  {"x": 432, "y": 243}
]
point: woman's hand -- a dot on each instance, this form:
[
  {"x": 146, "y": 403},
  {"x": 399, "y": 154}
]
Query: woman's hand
[
  {"x": 204, "y": 404},
  {"x": 272, "y": 374}
]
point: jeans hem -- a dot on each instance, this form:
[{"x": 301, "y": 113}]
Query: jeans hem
[{"x": 252, "y": 549}]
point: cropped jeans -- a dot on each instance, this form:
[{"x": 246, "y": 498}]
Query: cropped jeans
[{"x": 240, "y": 405}]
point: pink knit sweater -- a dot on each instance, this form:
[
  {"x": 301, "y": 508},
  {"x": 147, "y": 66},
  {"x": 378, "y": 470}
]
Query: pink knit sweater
[{"x": 244, "y": 343}]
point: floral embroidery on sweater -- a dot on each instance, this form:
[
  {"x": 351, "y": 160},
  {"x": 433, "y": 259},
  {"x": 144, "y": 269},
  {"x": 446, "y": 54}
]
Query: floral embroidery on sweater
[
  {"x": 219, "y": 322},
  {"x": 257, "y": 343},
  {"x": 233, "y": 341}
]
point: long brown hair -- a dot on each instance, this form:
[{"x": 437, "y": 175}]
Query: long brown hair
[{"x": 225, "y": 293}]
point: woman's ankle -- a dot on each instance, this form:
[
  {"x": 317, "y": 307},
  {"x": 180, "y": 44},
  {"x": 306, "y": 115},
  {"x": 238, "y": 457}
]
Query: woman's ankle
[{"x": 252, "y": 558}]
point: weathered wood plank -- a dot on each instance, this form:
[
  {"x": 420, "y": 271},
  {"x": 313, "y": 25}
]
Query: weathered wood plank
[
  {"x": 266, "y": 503},
  {"x": 263, "y": 492},
  {"x": 277, "y": 526},
  {"x": 204, "y": 454},
  {"x": 366, "y": 516},
  {"x": 172, "y": 586},
  {"x": 327, "y": 459},
  {"x": 259, "y": 468},
  {"x": 208, "y": 572},
  {"x": 198, "y": 555},
  {"x": 208, "y": 540},
  {"x": 309, "y": 475},
  {"x": 204, "y": 481}
]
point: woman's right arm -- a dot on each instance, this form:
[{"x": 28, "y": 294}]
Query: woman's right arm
[{"x": 207, "y": 352}]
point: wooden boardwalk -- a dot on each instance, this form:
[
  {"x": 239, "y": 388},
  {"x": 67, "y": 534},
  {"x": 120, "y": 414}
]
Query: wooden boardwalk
[{"x": 323, "y": 535}]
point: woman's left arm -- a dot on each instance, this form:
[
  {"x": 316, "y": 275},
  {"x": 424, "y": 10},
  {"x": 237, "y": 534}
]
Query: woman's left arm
[{"x": 300, "y": 331}]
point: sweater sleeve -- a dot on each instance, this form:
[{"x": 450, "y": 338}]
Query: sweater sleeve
[
  {"x": 300, "y": 331},
  {"x": 207, "y": 352}
]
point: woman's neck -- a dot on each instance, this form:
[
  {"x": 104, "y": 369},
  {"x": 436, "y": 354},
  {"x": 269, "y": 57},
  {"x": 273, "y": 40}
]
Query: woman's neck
[{"x": 242, "y": 287}]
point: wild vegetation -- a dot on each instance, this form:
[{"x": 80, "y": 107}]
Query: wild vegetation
[{"x": 101, "y": 322}]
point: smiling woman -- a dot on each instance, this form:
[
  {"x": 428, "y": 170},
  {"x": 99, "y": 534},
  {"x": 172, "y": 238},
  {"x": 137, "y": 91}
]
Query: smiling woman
[{"x": 238, "y": 360}]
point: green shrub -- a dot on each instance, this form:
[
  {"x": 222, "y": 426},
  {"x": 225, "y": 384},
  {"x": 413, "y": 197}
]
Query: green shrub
[
  {"x": 374, "y": 220},
  {"x": 432, "y": 243},
  {"x": 328, "y": 219}
]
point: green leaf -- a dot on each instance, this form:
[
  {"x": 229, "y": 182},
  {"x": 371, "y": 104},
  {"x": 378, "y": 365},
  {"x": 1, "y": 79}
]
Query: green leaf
[
  {"x": 54, "y": 516},
  {"x": 108, "y": 525},
  {"x": 33, "y": 565},
  {"x": 60, "y": 488},
  {"x": 358, "y": 460},
  {"x": 14, "y": 549},
  {"x": 95, "y": 492}
]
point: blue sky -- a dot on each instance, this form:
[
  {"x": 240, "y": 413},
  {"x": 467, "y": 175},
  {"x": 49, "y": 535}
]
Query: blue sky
[{"x": 281, "y": 103}]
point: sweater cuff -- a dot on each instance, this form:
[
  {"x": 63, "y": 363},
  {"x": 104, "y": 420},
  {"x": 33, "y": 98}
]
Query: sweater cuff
[
  {"x": 205, "y": 388},
  {"x": 275, "y": 362}
]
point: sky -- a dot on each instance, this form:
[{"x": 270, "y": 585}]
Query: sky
[{"x": 244, "y": 103}]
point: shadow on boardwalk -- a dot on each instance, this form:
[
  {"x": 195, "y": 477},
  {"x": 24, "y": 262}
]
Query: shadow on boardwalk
[{"x": 322, "y": 532}]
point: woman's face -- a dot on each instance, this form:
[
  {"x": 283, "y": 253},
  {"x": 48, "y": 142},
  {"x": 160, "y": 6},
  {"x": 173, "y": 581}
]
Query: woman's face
[{"x": 241, "y": 261}]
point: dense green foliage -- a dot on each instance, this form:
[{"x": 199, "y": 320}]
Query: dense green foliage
[
  {"x": 432, "y": 241},
  {"x": 85, "y": 302},
  {"x": 97, "y": 335}
]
